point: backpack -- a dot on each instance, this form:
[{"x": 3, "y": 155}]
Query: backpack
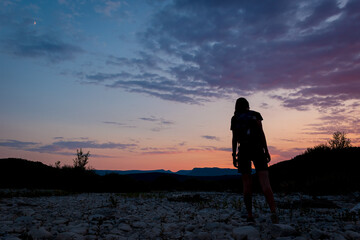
[{"x": 245, "y": 127}]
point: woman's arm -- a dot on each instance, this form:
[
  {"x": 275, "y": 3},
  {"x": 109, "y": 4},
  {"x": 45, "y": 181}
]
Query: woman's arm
[
  {"x": 263, "y": 140},
  {"x": 234, "y": 149}
]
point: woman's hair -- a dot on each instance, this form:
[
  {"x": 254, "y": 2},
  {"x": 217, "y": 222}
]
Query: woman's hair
[{"x": 242, "y": 105}]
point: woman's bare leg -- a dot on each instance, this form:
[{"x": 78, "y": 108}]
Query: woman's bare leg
[
  {"x": 247, "y": 190},
  {"x": 267, "y": 190}
]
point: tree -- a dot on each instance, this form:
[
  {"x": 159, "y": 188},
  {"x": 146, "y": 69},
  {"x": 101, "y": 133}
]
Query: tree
[
  {"x": 57, "y": 164},
  {"x": 339, "y": 141},
  {"x": 81, "y": 159}
]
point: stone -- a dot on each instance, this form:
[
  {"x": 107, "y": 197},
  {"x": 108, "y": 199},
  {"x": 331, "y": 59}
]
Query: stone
[
  {"x": 245, "y": 233},
  {"x": 96, "y": 217},
  {"x": 69, "y": 236},
  {"x": 60, "y": 221},
  {"x": 24, "y": 219},
  {"x": 170, "y": 227},
  {"x": 300, "y": 238},
  {"x": 282, "y": 230},
  {"x": 352, "y": 235},
  {"x": 139, "y": 224},
  {"x": 356, "y": 208},
  {"x": 40, "y": 233},
  {"x": 337, "y": 236},
  {"x": 190, "y": 228},
  {"x": 81, "y": 228},
  {"x": 204, "y": 236},
  {"x": 114, "y": 237},
  {"x": 27, "y": 212},
  {"x": 125, "y": 227},
  {"x": 317, "y": 234}
]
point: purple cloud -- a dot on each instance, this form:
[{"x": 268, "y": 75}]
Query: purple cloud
[
  {"x": 17, "y": 144},
  {"x": 203, "y": 50},
  {"x": 210, "y": 137},
  {"x": 58, "y": 147},
  {"x": 118, "y": 124}
]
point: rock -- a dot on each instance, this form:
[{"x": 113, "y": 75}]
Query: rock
[
  {"x": 282, "y": 230},
  {"x": 349, "y": 227},
  {"x": 40, "y": 233},
  {"x": 24, "y": 220},
  {"x": 220, "y": 234},
  {"x": 170, "y": 227},
  {"x": 352, "y": 235},
  {"x": 96, "y": 217},
  {"x": 204, "y": 236},
  {"x": 212, "y": 225},
  {"x": 152, "y": 233},
  {"x": 317, "y": 234},
  {"x": 245, "y": 233},
  {"x": 81, "y": 228},
  {"x": 60, "y": 221},
  {"x": 27, "y": 212},
  {"x": 337, "y": 236},
  {"x": 139, "y": 224},
  {"x": 356, "y": 208},
  {"x": 114, "y": 237},
  {"x": 190, "y": 228},
  {"x": 69, "y": 236},
  {"x": 124, "y": 227},
  {"x": 300, "y": 238}
]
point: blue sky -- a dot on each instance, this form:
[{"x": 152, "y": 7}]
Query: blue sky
[{"x": 152, "y": 84}]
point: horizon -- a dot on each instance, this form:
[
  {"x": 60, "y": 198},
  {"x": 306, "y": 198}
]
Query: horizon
[{"x": 152, "y": 85}]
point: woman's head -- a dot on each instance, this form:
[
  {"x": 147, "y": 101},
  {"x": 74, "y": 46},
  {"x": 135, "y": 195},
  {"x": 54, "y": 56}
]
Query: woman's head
[{"x": 242, "y": 105}]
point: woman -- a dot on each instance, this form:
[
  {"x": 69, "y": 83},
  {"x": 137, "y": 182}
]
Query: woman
[{"x": 250, "y": 142}]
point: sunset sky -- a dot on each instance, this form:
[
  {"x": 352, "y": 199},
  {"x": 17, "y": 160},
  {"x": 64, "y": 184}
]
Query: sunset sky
[{"x": 152, "y": 84}]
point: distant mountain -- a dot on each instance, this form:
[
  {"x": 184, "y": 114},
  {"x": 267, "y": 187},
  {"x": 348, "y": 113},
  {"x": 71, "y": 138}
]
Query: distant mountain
[
  {"x": 126, "y": 172},
  {"x": 208, "y": 172},
  {"x": 319, "y": 171},
  {"x": 200, "y": 172}
]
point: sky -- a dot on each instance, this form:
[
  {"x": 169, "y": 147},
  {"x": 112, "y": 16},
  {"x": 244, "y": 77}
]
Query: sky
[{"x": 152, "y": 84}]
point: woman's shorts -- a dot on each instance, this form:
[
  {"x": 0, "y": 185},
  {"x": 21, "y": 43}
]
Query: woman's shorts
[{"x": 256, "y": 155}]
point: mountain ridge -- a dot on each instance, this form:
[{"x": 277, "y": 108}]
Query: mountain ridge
[{"x": 206, "y": 171}]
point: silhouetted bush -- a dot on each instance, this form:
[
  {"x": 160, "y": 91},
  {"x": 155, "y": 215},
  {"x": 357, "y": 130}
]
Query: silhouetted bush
[{"x": 320, "y": 170}]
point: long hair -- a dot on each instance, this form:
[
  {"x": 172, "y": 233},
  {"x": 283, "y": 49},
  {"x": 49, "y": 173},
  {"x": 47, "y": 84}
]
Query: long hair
[{"x": 241, "y": 105}]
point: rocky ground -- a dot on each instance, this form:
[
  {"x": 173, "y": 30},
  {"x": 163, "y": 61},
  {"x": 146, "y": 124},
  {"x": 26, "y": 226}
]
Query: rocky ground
[{"x": 177, "y": 216}]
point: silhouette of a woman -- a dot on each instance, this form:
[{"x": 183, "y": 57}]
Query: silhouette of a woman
[{"x": 250, "y": 142}]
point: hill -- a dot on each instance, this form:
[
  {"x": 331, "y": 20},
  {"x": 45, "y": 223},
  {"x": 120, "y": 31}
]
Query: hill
[
  {"x": 317, "y": 171},
  {"x": 194, "y": 172},
  {"x": 20, "y": 173},
  {"x": 208, "y": 172}
]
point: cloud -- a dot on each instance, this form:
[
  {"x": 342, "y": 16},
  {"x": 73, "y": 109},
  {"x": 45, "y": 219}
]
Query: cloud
[
  {"x": 60, "y": 146},
  {"x": 158, "y": 85},
  {"x": 210, "y": 137},
  {"x": 197, "y": 51},
  {"x": 209, "y": 148},
  {"x": 160, "y": 123},
  {"x": 71, "y": 145},
  {"x": 279, "y": 154},
  {"x": 43, "y": 45},
  {"x": 108, "y": 7},
  {"x": 160, "y": 151},
  {"x": 118, "y": 124},
  {"x": 17, "y": 144},
  {"x": 23, "y": 38},
  {"x": 157, "y": 120},
  {"x": 345, "y": 119}
]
